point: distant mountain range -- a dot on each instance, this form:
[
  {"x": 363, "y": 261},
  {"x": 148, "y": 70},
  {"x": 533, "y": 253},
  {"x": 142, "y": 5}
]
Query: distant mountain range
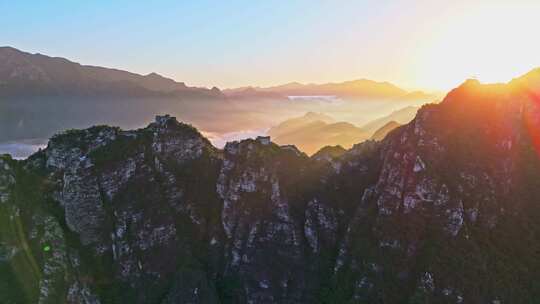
[
  {"x": 297, "y": 123},
  {"x": 401, "y": 116},
  {"x": 35, "y": 75},
  {"x": 41, "y": 95},
  {"x": 351, "y": 90},
  {"x": 381, "y": 133},
  {"x": 26, "y": 75},
  {"x": 314, "y": 131}
]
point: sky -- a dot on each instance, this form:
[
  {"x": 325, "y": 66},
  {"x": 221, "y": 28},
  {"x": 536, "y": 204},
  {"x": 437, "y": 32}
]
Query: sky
[{"x": 430, "y": 45}]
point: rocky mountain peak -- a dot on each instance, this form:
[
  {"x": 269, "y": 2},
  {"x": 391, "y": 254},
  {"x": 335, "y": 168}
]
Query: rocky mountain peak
[
  {"x": 169, "y": 125},
  {"x": 442, "y": 210}
]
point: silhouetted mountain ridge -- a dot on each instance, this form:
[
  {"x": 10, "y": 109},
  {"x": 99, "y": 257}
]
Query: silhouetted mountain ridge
[
  {"x": 314, "y": 131},
  {"x": 35, "y": 75},
  {"x": 401, "y": 116},
  {"x": 354, "y": 90},
  {"x": 381, "y": 133}
]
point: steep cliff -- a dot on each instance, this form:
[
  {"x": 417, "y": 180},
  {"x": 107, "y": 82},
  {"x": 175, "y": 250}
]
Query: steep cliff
[{"x": 443, "y": 210}]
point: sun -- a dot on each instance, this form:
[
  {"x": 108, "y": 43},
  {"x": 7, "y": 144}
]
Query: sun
[{"x": 490, "y": 41}]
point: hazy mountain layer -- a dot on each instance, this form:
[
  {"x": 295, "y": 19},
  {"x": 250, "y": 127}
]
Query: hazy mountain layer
[
  {"x": 313, "y": 131},
  {"x": 34, "y": 75},
  {"x": 401, "y": 116},
  {"x": 42, "y": 95},
  {"x": 384, "y": 130},
  {"x": 355, "y": 90}
]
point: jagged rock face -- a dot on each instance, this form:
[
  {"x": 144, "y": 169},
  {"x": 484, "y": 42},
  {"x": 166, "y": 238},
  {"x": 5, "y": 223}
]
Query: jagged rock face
[
  {"x": 258, "y": 221},
  {"x": 133, "y": 204},
  {"x": 443, "y": 210},
  {"x": 282, "y": 222},
  {"x": 452, "y": 189},
  {"x": 7, "y": 179}
]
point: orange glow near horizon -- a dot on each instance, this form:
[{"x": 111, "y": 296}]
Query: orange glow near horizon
[
  {"x": 491, "y": 41},
  {"x": 432, "y": 47},
  {"x": 417, "y": 45}
]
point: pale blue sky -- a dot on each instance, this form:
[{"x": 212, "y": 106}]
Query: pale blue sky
[{"x": 417, "y": 44}]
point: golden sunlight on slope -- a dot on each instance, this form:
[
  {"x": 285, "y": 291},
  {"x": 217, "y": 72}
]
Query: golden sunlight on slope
[{"x": 313, "y": 131}]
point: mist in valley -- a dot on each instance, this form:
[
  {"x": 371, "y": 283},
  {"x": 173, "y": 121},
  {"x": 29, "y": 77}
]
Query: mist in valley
[{"x": 27, "y": 121}]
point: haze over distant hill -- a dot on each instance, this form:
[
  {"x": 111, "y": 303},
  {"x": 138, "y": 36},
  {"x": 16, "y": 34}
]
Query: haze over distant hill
[
  {"x": 384, "y": 130},
  {"x": 24, "y": 74},
  {"x": 297, "y": 123},
  {"x": 29, "y": 75},
  {"x": 354, "y": 89},
  {"x": 401, "y": 116},
  {"x": 41, "y": 95},
  {"x": 313, "y": 131}
]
